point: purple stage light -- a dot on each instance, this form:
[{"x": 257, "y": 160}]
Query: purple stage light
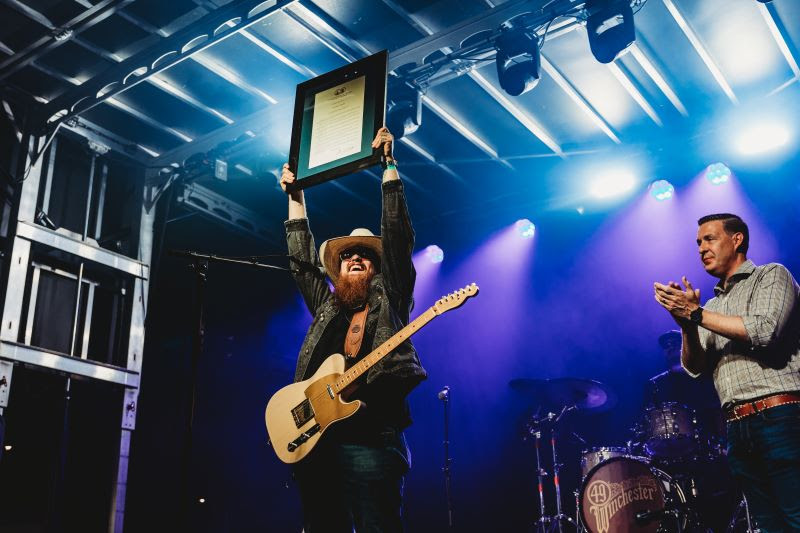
[
  {"x": 662, "y": 190},
  {"x": 525, "y": 228},
  {"x": 718, "y": 173},
  {"x": 434, "y": 254}
]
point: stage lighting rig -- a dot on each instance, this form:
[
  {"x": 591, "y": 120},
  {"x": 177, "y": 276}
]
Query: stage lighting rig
[
  {"x": 517, "y": 60},
  {"x": 404, "y": 112},
  {"x": 610, "y": 28}
]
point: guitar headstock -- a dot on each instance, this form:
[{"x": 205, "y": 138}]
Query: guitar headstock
[{"x": 455, "y": 299}]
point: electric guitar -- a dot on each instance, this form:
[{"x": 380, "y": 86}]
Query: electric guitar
[{"x": 298, "y": 414}]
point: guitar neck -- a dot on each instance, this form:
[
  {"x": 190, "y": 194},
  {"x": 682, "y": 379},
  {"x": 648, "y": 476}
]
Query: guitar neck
[{"x": 381, "y": 351}]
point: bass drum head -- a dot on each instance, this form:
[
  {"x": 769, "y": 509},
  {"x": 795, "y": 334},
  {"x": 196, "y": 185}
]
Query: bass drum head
[{"x": 614, "y": 491}]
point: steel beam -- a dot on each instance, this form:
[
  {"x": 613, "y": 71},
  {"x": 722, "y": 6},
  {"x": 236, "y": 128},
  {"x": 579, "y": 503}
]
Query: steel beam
[
  {"x": 219, "y": 208},
  {"x": 634, "y": 92},
  {"x": 639, "y": 55},
  {"x": 208, "y": 31},
  {"x": 579, "y": 99},
  {"x": 780, "y": 34},
  {"x": 521, "y": 116},
  {"x": 54, "y": 239},
  {"x": 491, "y": 20},
  {"x": 314, "y": 20},
  {"x": 14, "y": 351},
  {"x": 701, "y": 50},
  {"x": 58, "y": 36},
  {"x": 122, "y": 106}
]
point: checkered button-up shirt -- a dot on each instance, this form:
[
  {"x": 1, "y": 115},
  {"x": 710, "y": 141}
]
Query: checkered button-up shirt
[{"x": 768, "y": 299}]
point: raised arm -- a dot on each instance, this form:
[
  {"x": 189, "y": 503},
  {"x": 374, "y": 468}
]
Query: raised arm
[
  {"x": 307, "y": 268},
  {"x": 397, "y": 234}
]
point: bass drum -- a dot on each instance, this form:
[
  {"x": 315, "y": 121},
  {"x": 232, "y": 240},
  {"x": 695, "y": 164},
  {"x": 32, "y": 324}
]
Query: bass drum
[{"x": 615, "y": 491}]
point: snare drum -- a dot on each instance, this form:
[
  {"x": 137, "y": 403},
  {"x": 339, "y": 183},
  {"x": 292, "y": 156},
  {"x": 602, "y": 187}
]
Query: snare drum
[
  {"x": 616, "y": 490},
  {"x": 669, "y": 430},
  {"x": 594, "y": 456}
]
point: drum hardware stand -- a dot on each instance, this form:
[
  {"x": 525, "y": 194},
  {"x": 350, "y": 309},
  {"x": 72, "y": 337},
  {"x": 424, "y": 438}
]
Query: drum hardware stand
[
  {"x": 547, "y": 524},
  {"x": 743, "y": 505},
  {"x": 444, "y": 395}
]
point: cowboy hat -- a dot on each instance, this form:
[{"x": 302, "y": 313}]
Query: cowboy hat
[{"x": 330, "y": 249}]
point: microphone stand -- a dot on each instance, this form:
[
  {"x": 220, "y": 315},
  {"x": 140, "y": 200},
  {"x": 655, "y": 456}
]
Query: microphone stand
[
  {"x": 444, "y": 395},
  {"x": 199, "y": 266}
]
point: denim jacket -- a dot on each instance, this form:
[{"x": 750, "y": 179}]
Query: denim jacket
[{"x": 390, "y": 296}]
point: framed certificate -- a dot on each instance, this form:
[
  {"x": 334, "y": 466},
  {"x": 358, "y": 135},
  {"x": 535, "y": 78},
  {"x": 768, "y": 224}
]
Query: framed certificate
[{"x": 336, "y": 116}]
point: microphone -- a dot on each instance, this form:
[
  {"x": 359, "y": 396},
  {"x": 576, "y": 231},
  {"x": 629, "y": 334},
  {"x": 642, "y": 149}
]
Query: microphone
[
  {"x": 305, "y": 266},
  {"x": 444, "y": 394}
]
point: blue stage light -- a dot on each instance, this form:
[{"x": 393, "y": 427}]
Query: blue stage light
[
  {"x": 525, "y": 228},
  {"x": 434, "y": 254},
  {"x": 662, "y": 190},
  {"x": 760, "y": 138},
  {"x": 612, "y": 184},
  {"x": 718, "y": 173}
]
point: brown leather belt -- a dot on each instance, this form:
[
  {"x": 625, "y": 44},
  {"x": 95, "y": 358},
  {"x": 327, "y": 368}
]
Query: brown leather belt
[{"x": 750, "y": 408}]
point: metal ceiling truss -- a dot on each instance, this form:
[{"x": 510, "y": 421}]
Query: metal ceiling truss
[
  {"x": 477, "y": 36},
  {"x": 320, "y": 25},
  {"x": 59, "y": 35},
  {"x": 637, "y": 52},
  {"x": 530, "y": 123},
  {"x": 155, "y": 81},
  {"x": 209, "y": 30},
  {"x": 780, "y": 34},
  {"x": 700, "y": 48},
  {"x": 219, "y": 208}
]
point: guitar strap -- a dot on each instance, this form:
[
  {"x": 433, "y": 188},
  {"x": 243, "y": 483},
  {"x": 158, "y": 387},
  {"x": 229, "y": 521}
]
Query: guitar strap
[{"x": 355, "y": 333}]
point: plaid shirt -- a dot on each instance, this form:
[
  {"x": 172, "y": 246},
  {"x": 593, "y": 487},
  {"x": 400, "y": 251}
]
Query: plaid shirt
[{"x": 768, "y": 299}]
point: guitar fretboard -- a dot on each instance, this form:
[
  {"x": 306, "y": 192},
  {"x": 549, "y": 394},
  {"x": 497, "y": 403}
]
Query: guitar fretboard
[{"x": 358, "y": 369}]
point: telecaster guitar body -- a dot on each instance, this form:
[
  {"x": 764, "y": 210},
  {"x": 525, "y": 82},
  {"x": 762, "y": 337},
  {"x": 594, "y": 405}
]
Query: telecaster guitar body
[{"x": 298, "y": 414}]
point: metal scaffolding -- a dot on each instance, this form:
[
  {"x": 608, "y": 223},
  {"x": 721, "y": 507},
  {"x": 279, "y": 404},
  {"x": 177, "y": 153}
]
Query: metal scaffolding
[{"x": 38, "y": 250}]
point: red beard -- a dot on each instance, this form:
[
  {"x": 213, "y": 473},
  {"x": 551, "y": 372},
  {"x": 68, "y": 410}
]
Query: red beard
[{"x": 351, "y": 291}]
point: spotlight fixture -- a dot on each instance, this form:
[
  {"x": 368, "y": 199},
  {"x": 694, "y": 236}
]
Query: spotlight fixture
[
  {"x": 434, "y": 254},
  {"x": 610, "y": 27},
  {"x": 718, "y": 173},
  {"x": 517, "y": 61},
  {"x": 404, "y": 112},
  {"x": 662, "y": 190},
  {"x": 525, "y": 228}
]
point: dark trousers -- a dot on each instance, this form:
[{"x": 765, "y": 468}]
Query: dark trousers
[
  {"x": 347, "y": 486},
  {"x": 764, "y": 456}
]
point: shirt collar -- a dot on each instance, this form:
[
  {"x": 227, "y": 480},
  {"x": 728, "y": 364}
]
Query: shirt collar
[{"x": 743, "y": 272}]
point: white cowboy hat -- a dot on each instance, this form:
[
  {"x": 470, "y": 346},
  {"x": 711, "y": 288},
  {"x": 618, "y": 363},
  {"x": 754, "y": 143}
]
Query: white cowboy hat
[{"x": 330, "y": 249}]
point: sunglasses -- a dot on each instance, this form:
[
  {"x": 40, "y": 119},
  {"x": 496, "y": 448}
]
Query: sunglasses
[{"x": 361, "y": 251}]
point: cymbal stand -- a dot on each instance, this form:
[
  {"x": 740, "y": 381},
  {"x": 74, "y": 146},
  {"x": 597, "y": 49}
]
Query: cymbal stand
[
  {"x": 546, "y": 523},
  {"x": 540, "y": 474},
  {"x": 560, "y": 516}
]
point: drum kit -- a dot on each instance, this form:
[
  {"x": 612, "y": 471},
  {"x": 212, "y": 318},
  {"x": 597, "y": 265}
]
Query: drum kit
[{"x": 649, "y": 485}]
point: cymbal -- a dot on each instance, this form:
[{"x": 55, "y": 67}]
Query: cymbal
[{"x": 585, "y": 394}]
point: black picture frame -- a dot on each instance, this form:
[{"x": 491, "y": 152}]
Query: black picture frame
[{"x": 375, "y": 70}]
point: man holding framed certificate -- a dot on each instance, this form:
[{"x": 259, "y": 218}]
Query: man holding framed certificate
[
  {"x": 335, "y": 118},
  {"x": 353, "y": 478}
]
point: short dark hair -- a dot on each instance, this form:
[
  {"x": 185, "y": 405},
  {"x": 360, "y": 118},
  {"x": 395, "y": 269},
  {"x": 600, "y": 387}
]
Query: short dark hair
[{"x": 731, "y": 224}]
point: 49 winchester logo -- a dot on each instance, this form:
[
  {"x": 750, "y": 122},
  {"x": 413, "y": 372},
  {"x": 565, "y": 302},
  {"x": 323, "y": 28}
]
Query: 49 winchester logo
[{"x": 607, "y": 499}]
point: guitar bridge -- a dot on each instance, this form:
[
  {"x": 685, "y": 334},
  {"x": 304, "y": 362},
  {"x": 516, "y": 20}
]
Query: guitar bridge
[{"x": 304, "y": 436}]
